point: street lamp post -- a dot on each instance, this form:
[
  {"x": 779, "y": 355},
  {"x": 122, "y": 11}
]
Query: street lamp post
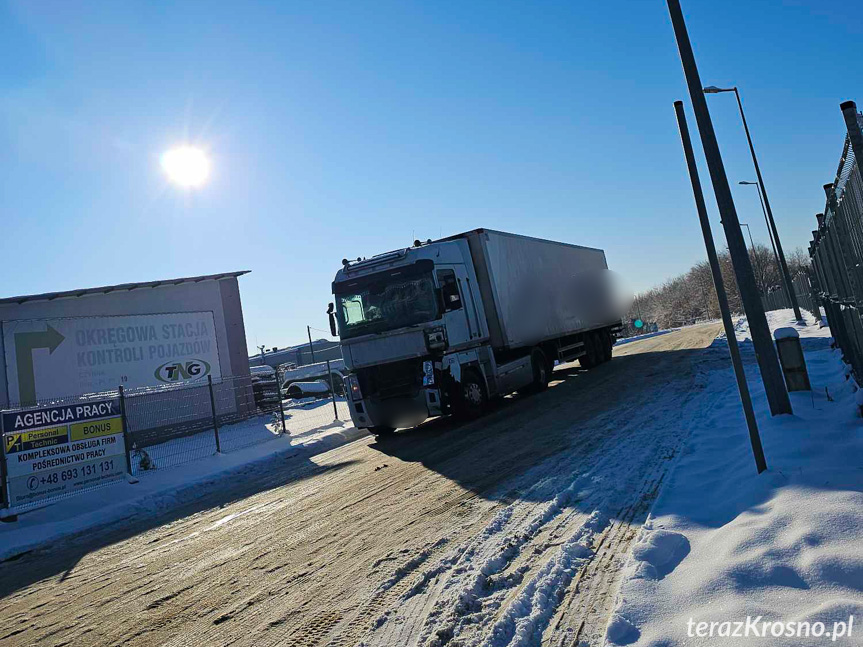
[
  {"x": 766, "y": 220},
  {"x": 783, "y": 266},
  {"x": 751, "y": 243},
  {"x": 311, "y": 344},
  {"x": 754, "y": 254}
]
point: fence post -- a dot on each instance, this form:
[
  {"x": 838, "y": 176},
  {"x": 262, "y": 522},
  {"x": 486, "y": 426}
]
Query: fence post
[
  {"x": 332, "y": 391},
  {"x": 281, "y": 404},
  {"x": 213, "y": 407},
  {"x": 124, "y": 419},
  {"x": 4, "y": 495},
  {"x": 855, "y": 134},
  {"x": 845, "y": 247}
]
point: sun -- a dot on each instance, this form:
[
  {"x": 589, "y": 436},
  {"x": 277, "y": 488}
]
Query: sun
[{"x": 187, "y": 166}]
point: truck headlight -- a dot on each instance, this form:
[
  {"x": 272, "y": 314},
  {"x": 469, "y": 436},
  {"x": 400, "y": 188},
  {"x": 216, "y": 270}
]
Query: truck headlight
[
  {"x": 354, "y": 388},
  {"x": 428, "y": 373}
]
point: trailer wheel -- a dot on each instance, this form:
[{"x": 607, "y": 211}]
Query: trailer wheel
[
  {"x": 591, "y": 358},
  {"x": 472, "y": 399},
  {"x": 607, "y": 345},
  {"x": 382, "y": 430}
]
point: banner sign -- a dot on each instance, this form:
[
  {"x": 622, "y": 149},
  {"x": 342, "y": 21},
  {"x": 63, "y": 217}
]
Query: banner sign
[
  {"x": 52, "y": 451},
  {"x": 54, "y": 358}
]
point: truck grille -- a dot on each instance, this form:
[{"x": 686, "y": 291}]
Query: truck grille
[{"x": 397, "y": 379}]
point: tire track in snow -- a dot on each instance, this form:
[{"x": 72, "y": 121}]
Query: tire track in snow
[{"x": 469, "y": 597}]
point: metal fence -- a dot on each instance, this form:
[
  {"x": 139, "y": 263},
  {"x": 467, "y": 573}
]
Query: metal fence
[
  {"x": 837, "y": 247},
  {"x": 777, "y": 299},
  {"x": 169, "y": 426}
]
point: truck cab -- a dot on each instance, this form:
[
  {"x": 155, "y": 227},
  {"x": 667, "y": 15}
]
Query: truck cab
[{"x": 399, "y": 314}]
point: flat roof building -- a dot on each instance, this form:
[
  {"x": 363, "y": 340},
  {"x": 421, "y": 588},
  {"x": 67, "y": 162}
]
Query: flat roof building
[{"x": 148, "y": 334}]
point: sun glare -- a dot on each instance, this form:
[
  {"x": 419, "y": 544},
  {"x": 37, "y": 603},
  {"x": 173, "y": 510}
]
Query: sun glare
[{"x": 187, "y": 166}]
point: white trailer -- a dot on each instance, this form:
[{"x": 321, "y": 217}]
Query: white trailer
[
  {"x": 534, "y": 289},
  {"x": 445, "y": 326}
]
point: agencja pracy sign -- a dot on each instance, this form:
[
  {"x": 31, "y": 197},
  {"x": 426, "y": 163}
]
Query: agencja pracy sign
[{"x": 54, "y": 451}]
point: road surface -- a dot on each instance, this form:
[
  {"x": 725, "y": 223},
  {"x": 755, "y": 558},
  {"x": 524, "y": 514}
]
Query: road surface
[{"x": 509, "y": 530}]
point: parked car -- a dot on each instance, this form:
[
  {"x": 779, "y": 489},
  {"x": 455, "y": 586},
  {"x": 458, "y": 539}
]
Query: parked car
[
  {"x": 317, "y": 389},
  {"x": 265, "y": 386},
  {"x": 314, "y": 373}
]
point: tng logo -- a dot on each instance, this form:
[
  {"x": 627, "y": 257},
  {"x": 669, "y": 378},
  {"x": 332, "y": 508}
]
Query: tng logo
[{"x": 180, "y": 371}]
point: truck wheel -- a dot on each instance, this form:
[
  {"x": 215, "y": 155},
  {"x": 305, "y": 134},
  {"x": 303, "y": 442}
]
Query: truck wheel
[
  {"x": 541, "y": 373},
  {"x": 382, "y": 430},
  {"x": 590, "y": 359},
  {"x": 472, "y": 399}
]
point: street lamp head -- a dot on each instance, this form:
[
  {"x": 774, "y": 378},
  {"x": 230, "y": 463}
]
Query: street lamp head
[
  {"x": 712, "y": 89},
  {"x": 748, "y": 183}
]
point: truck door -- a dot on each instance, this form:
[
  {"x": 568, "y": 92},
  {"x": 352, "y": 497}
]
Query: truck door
[{"x": 458, "y": 314}]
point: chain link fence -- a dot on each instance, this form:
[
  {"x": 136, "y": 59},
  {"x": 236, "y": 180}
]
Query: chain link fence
[
  {"x": 836, "y": 249},
  {"x": 199, "y": 420}
]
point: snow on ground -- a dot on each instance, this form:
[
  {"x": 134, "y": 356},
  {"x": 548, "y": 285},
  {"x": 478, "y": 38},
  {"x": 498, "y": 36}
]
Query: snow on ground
[
  {"x": 304, "y": 419},
  {"x": 724, "y": 545},
  {"x": 311, "y": 431},
  {"x": 777, "y": 319},
  {"x": 647, "y": 335},
  {"x": 504, "y": 586}
]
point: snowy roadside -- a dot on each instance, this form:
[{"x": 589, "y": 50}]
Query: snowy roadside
[
  {"x": 647, "y": 335},
  {"x": 724, "y": 545},
  {"x": 167, "y": 487}
]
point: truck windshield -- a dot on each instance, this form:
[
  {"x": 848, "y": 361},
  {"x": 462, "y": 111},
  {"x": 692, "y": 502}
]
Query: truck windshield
[{"x": 386, "y": 303}]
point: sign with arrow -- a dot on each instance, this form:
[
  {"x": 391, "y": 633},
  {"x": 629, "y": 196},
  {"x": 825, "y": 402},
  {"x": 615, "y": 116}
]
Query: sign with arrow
[
  {"x": 25, "y": 344},
  {"x": 59, "y": 358}
]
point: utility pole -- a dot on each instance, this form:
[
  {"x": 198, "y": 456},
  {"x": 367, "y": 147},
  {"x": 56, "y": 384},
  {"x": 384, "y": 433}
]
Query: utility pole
[
  {"x": 311, "y": 345},
  {"x": 739, "y": 374},
  {"x": 765, "y": 351}
]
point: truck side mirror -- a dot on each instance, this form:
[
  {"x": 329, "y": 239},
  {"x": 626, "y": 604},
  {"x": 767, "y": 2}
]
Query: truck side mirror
[{"x": 332, "y": 316}]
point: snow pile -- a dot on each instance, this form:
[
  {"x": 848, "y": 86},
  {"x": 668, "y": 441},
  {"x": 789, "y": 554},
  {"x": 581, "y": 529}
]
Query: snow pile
[
  {"x": 785, "y": 333},
  {"x": 658, "y": 553},
  {"x": 724, "y": 544},
  {"x": 779, "y": 319}
]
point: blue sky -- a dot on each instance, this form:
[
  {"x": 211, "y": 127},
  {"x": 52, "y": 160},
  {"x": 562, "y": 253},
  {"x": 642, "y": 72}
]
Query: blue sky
[{"x": 344, "y": 129}]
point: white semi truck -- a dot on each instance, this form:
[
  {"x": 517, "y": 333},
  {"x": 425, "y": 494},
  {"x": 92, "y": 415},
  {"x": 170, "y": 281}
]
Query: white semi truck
[{"x": 445, "y": 326}]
